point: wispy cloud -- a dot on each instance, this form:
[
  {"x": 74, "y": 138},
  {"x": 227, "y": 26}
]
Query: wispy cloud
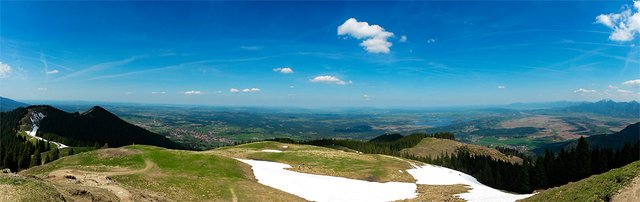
[
  {"x": 193, "y": 92},
  {"x": 98, "y": 67},
  {"x": 246, "y": 90},
  {"x": 250, "y": 48},
  {"x": 5, "y": 70},
  {"x": 178, "y": 66},
  {"x": 632, "y": 83},
  {"x": 374, "y": 36},
  {"x": 326, "y": 79},
  {"x": 584, "y": 91},
  {"x": 403, "y": 39},
  {"x": 160, "y": 92},
  {"x": 502, "y": 87},
  {"x": 55, "y": 71}
]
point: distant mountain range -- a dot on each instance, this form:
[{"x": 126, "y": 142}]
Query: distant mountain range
[
  {"x": 7, "y": 104},
  {"x": 94, "y": 126},
  {"x": 607, "y": 107},
  {"x": 630, "y": 134}
]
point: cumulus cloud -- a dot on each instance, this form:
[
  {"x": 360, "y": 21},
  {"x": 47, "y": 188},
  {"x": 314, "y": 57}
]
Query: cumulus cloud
[
  {"x": 284, "y": 70},
  {"x": 55, "y": 71},
  {"x": 432, "y": 40},
  {"x": 625, "y": 25},
  {"x": 162, "y": 92},
  {"x": 246, "y": 90},
  {"x": 329, "y": 80},
  {"x": 633, "y": 83},
  {"x": 612, "y": 87},
  {"x": 584, "y": 91},
  {"x": 374, "y": 36},
  {"x": 403, "y": 38},
  {"x": 193, "y": 92},
  {"x": 5, "y": 70},
  {"x": 502, "y": 87}
]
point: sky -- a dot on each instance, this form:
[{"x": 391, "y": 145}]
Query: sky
[{"x": 411, "y": 54}]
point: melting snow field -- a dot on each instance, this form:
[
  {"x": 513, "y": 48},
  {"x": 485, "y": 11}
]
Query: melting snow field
[
  {"x": 35, "y": 120},
  {"x": 271, "y": 150},
  {"x": 436, "y": 175},
  {"x": 33, "y": 131},
  {"x": 328, "y": 188}
]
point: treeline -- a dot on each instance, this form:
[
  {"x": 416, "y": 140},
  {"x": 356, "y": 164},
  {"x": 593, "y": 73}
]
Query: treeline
[
  {"x": 534, "y": 173},
  {"x": 16, "y": 152},
  {"x": 379, "y": 147},
  {"x": 541, "y": 172}
]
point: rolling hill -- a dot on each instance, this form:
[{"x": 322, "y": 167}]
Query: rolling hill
[
  {"x": 630, "y": 134},
  {"x": 94, "y": 126},
  {"x": 148, "y": 173},
  {"x": 434, "y": 147},
  {"x": 608, "y": 186},
  {"x": 7, "y": 104}
]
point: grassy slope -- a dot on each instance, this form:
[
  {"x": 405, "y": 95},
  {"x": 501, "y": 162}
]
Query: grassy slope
[
  {"x": 178, "y": 175},
  {"x": 595, "y": 188},
  {"x": 326, "y": 161},
  {"x": 434, "y": 147},
  {"x": 215, "y": 175},
  {"x": 19, "y": 188}
]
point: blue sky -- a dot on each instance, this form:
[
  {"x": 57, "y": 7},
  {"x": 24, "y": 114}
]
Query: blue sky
[{"x": 320, "y": 53}]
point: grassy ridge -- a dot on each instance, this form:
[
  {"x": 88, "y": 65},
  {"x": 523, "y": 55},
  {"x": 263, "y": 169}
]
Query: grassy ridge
[
  {"x": 595, "y": 188},
  {"x": 434, "y": 147}
]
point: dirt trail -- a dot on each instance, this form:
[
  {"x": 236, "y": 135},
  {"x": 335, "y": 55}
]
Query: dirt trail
[
  {"x": 98, "y": 179},
  {"x": 234, "y": 198},
  {"x": 629, "y": 193}
]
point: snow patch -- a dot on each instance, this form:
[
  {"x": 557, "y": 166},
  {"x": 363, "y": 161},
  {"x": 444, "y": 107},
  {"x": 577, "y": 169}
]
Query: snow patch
[
  {"x": 436, "y": 175},
  {"x": 271, "y": 150},
  {"x": 35, "y": 122},
  {"x": 327, "y": 188}
]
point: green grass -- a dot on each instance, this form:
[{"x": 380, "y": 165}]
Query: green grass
[
  {"x": 595, "y": 188},
  {"x": 177, "y": 174},
  {"x": 17, "y": 188}
]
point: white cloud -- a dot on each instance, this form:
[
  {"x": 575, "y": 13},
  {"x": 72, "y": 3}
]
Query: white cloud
[
  {"x": 246, "y": 90},
  {"x": 366, "y": 97},
  {"x": 633, "y": 83},
  {"x": 292, "y": 86},
  {"x": 43, "y": 89},
  {"x": 583, "y": 91},
  {"x": 625, "y": 25},
  {"x": 55, "y": 71},
  {"x": 432, "y": 40},
  {"x": 403, "y": 38},
  {"x": 5, "y": 70},
  {"x": 612, "y": 87},
  {"x": 162, "y": 92},
  {"x": 329, "y": 80},
  {"x": 375, "y": 37},
  {"x": 502, "y": 87},
  {"x": 284, "y": 70},
  {"x": 624, "y": 91},
  {"x": 250, "y": 90},
  {"x": 193, "y": 92}
]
